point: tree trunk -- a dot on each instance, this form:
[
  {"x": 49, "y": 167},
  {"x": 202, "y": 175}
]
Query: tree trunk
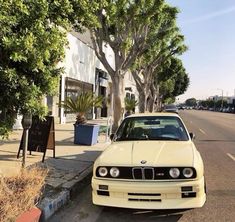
[
  {"x": 140, "y": 86},
  {"x": 159, "y": 103},
  {"x": 118, "y": 98},
  {"x": 151, "y": 103},
  {"x": 142, "y": 101},
  {"x": 153, "y": 97}
]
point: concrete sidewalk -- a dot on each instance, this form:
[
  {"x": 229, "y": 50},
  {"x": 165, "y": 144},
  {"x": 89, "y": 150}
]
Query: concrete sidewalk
[{"x": 73, "y": 163}]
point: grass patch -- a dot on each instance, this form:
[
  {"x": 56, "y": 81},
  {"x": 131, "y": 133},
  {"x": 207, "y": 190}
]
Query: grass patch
[{"x": 20, "y": 193}]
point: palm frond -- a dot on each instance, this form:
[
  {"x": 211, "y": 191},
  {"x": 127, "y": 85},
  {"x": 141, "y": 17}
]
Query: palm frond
[
  {"x": 130, "y": 104},
  {"x": 82, "y": 104}
]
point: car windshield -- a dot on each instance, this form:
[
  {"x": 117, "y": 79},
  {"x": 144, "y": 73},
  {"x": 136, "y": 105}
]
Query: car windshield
[{"x": 152, "y": 128}]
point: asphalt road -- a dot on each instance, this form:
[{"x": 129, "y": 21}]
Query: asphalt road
[{"x": 215, "y": 139}]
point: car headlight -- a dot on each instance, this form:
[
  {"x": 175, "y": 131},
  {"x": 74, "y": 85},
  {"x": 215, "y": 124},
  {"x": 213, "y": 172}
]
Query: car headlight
[
  {"x": 114, "y": 172},
  {"x": 174, "y": 172},
  {"x": 103, "y": 171},
  {"x": 187, "y": 172}
]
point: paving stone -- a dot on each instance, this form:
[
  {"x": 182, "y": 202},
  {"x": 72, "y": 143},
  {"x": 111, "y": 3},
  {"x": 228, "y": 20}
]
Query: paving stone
[
  {"x": 68, "y": 178},
  {"x": 56, "y": 175},
  {"x": 57, "y": 182},
  {"x": 68, "y": 185}
]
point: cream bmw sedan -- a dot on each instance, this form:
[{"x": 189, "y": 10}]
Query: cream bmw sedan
[{"x": 152, "y": 163}]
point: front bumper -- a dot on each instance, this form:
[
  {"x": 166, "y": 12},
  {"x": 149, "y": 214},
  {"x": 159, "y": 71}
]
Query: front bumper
[{"x": 149, "y": 195}]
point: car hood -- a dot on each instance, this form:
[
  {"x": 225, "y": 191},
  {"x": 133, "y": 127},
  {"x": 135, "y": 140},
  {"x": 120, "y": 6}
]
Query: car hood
[{"x": 155, "y": 153}]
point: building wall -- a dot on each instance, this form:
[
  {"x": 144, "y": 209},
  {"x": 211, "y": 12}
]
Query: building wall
[
  {"x": 79, "y": 61},
  {"x": 81, "y": 64},
  {"x": 231, "y": 100},
  {"x": 130, "y": 88}
]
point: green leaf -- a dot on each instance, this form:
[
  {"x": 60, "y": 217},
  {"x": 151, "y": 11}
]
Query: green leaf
[{"x": 82, "y": 104}]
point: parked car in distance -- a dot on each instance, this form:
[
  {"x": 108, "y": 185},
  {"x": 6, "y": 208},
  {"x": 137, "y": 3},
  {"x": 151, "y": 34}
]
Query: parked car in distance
[
  {"x": 170, "y": 108},
  {"x": 152, "y": 163},
  {"x": 181, "y": 108}
]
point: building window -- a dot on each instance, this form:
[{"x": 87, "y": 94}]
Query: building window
[
  {"x": 128, "y": 95},
  {"x": 74, "y": 88}
]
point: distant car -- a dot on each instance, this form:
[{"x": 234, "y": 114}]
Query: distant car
[
  {"x": 170, "y": 108},
  {"x": 181, "y": 108},
  {"x": 152, "y": 163}
]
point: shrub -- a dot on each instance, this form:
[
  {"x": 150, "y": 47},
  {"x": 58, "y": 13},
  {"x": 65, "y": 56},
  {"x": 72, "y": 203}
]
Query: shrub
[{"x": 20, "y": 192}]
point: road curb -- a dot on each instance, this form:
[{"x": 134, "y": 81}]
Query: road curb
[
  {"x": 50, "y": 205},
  {"x": 82, "y": 181}
]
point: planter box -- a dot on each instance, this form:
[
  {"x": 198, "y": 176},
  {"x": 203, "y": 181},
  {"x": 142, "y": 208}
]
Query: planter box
[
  {"x": 86, "y": 134},
  {"x": 32, "y": 215}
]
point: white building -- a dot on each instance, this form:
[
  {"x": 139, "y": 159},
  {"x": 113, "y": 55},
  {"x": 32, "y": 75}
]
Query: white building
[
  {"x": 84, "y": 72},
  {"x": 130, "y": 88},
  {"x": 231, "y": 100}
]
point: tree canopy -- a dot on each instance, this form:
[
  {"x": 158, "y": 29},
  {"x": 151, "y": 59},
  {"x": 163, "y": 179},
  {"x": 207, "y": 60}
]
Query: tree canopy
[
  {"x": 215, "y": 104},
  {"x": 125, "y": 26},
  {"x": 172, "y": 79},
  {"x": 32, "y": 43},
  {"x": 164, "y": 41},
  {"x": 191, "y": 102},
  {"x": 33, "y": 39}
]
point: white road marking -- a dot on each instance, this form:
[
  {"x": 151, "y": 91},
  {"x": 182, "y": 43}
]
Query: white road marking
[
  {"x": 231, "y": 156},
  {"x": 202, "y": 131}
]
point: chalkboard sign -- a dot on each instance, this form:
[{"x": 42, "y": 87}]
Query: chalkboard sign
[{"x": 41, "y": 136}]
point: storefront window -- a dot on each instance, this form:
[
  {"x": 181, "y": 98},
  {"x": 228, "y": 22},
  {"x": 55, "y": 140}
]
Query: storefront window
[{"x": 74, "y": 88}]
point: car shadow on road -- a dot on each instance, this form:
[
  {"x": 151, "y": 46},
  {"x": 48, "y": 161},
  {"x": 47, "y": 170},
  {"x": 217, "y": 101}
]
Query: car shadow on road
[{"x": 122, "y": 214}]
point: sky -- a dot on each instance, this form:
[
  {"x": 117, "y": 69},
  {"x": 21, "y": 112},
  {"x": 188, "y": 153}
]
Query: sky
[{"x": 209, "y": 30}]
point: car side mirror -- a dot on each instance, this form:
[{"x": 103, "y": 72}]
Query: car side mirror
[
  {"x": 111, "y": 136},
  {"x": 192, "y": 136}
]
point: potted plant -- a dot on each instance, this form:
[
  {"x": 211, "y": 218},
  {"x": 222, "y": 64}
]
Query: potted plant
[
  {"x": 84, "y": 133},
  {"x": 130, "y": 105}
]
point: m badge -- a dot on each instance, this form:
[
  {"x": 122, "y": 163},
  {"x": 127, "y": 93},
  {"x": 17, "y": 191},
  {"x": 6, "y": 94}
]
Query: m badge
[{"x": 143, "y": 162}]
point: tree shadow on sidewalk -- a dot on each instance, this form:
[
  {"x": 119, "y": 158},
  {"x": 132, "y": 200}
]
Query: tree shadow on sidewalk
[
  {"x": 7, "y": 157},
  {"x": 4, "y": 142}
]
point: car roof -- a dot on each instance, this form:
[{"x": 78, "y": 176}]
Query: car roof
[{"x": 153, "y": 114}]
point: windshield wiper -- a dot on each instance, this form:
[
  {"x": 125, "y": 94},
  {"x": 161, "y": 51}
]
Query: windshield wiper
[
  {"x": 148, "y": 138},
  {"x": 170, "y": 138},
  {"x": 131, "y": 139},
  {"x": 164, "y": 138}
]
